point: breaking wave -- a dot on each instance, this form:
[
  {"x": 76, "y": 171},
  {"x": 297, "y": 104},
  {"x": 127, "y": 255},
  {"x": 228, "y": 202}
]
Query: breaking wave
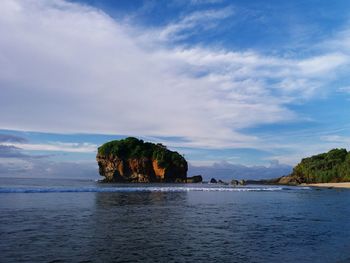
[{"x": 142, "y": 189}]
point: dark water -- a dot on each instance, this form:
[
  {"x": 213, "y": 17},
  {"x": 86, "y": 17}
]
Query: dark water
[{"x": 81, "y": 221}]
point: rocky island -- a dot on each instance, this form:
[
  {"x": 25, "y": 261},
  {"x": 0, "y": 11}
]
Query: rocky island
[{"x": 134, "y": 161}]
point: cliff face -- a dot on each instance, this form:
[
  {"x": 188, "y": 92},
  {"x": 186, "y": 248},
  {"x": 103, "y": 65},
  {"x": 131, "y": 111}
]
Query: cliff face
[
  {"x": 290, "y": 180},
  {"x": 132, "y": 160},
  {"x": 143, "y": 170}
]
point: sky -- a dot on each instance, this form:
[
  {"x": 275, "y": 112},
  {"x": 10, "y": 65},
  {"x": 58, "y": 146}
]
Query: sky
[{"x": 247, "y": 86}]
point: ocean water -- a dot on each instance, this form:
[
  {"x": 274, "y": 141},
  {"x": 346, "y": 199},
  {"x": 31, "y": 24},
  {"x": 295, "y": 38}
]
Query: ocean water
[{"x": 44, "y": 220}]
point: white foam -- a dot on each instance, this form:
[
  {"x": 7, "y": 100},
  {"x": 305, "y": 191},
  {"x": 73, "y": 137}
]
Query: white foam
[{"x": 141, "y": 189}]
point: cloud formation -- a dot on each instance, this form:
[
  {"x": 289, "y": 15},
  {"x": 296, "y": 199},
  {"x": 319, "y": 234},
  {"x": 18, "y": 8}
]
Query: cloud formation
[
  {"x": 70, "y": 68},
  {"x": 11, "y": 138},
  {"x": 194, "y": 23},
  {"x": 56, "y": 147},
  {"x": 15, "y": 163},
  {"x": 10, "y": 152}
]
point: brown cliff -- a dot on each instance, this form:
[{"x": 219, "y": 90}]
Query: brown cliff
[{"x": 132, "y": 160}]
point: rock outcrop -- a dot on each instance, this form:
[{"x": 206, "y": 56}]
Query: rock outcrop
[
  {"x": 237, "y": 182},
  {"x": 194, "y": 179},
  {"x": 284, "y": 180},
  {"x": 289, "y": 180},
  {"x": 213, "y": 181},
  {"x": 132, "y": 160},
  {"x": 222, "y": 182}
]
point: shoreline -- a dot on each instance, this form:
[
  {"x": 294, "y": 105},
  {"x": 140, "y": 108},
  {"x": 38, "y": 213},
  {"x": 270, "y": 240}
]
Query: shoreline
[{"x": 329, "y": 185}]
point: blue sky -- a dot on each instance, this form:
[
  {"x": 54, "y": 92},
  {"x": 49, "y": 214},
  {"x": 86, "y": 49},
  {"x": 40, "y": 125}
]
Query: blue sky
[{"x": 252, "y": 83}]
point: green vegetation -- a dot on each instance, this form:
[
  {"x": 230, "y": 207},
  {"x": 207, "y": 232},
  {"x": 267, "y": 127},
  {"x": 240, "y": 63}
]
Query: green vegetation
[
  {"x": 133, "y": 148},
  {"x": 333, "y": 166}
]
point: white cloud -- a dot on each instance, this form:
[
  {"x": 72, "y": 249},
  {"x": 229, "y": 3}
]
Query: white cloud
[
  {"x": 343, "y": 141},
  {"x": 70, "y": 68},
  {"x": 304, "y": 148},
  {"x": 199, "y": 20},
  {"x": 344, "y": 89},
  {"x": 323, "y": 64},
  {"x": 56, "y": 146}
]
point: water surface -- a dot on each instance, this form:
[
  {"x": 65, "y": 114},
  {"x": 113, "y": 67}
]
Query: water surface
[{"x": 83, "y": 221}]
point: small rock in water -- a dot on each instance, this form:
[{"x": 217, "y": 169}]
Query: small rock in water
[
  {"x": 234, "y": 182},
  {"x": 222, "y": 182}
]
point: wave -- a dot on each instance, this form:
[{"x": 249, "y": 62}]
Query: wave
[{"x": 140, "y": 189}]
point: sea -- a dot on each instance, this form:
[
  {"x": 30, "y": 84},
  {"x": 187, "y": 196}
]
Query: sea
[{"x": 56, "y": 220}]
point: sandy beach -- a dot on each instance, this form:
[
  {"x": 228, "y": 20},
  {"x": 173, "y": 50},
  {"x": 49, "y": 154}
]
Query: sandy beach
[{"x": 335, "y": 185}]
